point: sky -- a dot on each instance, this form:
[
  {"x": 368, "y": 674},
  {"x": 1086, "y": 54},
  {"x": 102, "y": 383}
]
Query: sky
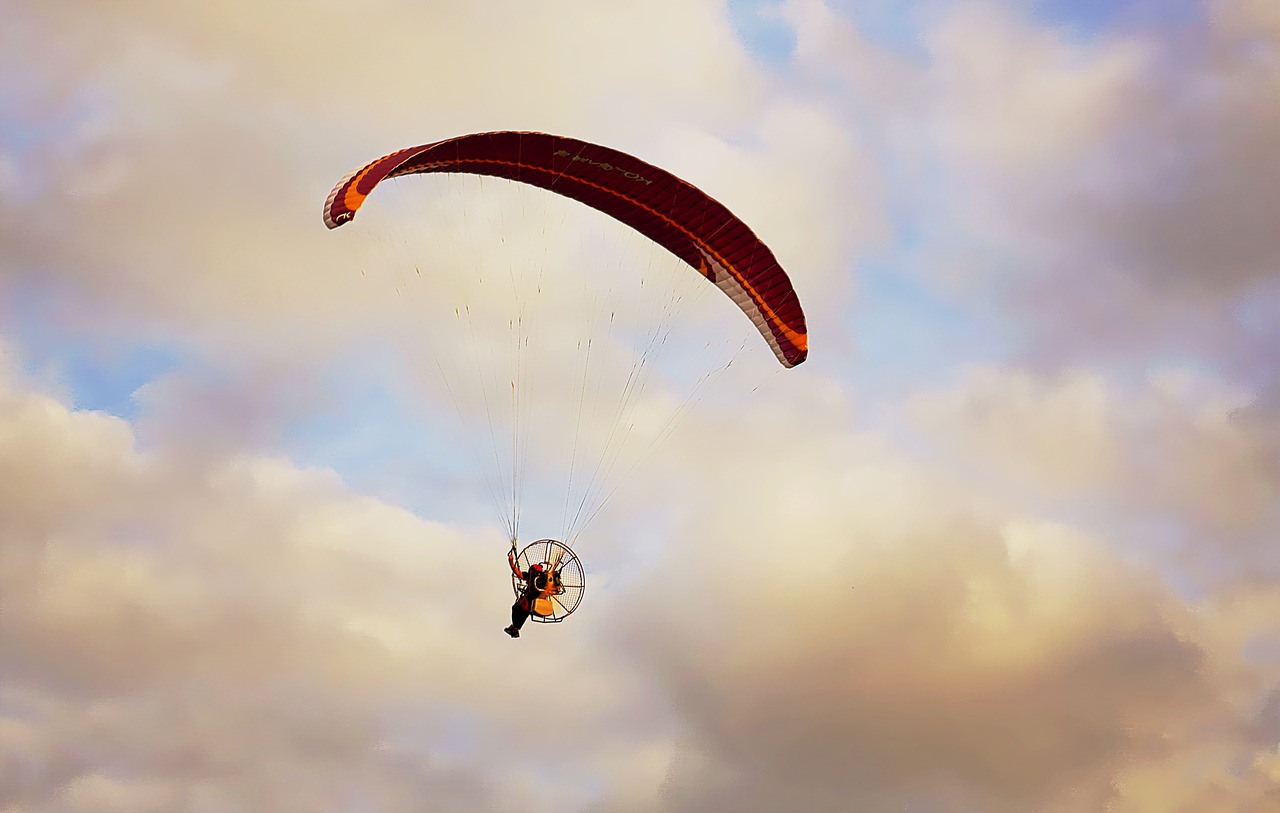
[{"x": 1005, "y": 543}]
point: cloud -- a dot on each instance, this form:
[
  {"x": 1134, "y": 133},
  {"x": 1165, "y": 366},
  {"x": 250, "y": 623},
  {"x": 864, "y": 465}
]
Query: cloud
[
  {"x": 1106, "y": 196},
  {"x": 849, "y": 625},
  {"x": 790, "y": 605},
  {"x": 1058, "y": 433},
  {"x": 245, "y": 632},
  {"x": 895, "y": 644},
  {"x": 838, "y": 625},
  {"x": 1181, "y": 448},
  {"x": 1143, "y": 222}
]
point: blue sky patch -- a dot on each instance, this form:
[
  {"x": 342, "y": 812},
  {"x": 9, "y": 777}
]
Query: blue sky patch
[
  {"x": 765, "y": 34},
  {"x": 1092, "y": 18},
  {"x": 100, "y": 372}
]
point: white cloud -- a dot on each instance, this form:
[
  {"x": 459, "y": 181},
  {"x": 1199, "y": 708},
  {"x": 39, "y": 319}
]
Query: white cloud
[
  {"x": 1179, "y": 445},
  {"x": 1059, "y": 433},
  {"x": 190, "y": 621},
  {"x": 247, "y": 628}
]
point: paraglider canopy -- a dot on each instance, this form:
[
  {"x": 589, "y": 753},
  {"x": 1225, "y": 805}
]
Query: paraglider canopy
[{"x": 673, "y": 213}]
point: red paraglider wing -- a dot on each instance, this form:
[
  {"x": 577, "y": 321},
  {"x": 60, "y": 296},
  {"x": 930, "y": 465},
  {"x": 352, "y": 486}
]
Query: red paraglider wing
[{"x": 671, "y": 212}]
